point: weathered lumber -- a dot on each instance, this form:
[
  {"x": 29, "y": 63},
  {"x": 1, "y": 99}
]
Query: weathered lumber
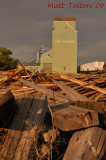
[
  {"x": 71, "y": 93},
  {"x": 28, "y": 74},
  {"x": 89, "y": 144},
  {"x": 84, "y": 84},
  {"x": 79, "y": 99},
  {"x": 68, "y": 117},
  {"x": 99, "y": 96},
  {"x": 19, "y": 99},
  {"x": 15, "y": 129},
  {"x": 16, "y": 91},
  {"x": 56, "y": 96},
  {"x": 24, "y": 128},
  {"x": 5, "y": 97},
  {"x": 7, "y": 108},
  {"x": 97, "y": 106},
  {"x": 24, "y": 69},
  {"x": 34, "y": 127},
  {"x": 88, "y": 93},
  {"x": 12, "y": 75}
]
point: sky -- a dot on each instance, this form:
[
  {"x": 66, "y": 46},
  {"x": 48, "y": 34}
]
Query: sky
[{"x": 27, "y": 24}]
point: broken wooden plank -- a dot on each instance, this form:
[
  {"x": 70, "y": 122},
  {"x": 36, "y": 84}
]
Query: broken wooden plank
[
  {"x": 89, "y": 144},
  {"x": 68, "y": 117},
  {"x": 12, "y": 75},
  {"x": 99, "y": 96},
  {"x": 27, "y": 73},
  {"x": 24, "y": 128},
  {"x": 7, "y": 108},
  {"x": 18, "y": 91},
  {"x": 71, "y": 93},
  {"x": 38, "y": 110},
  {"x": 15, "y": 129},
  {"x": 56, "y": 96},
  {"x": 84, "y": 84}
]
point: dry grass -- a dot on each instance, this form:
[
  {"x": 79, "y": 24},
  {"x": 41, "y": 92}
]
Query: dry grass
[{"x": 43, "y": 150}]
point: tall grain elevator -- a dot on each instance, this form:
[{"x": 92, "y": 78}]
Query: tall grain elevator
[
  {"x": 64, "y": 45},
  {"x": 63, "y": 55}
]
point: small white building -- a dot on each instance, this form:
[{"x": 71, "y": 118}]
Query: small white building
[{"x": 92, "y": 66}]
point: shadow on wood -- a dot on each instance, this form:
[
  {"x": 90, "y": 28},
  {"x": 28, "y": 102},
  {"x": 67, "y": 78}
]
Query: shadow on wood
[
  {"x": 8, "y": 107},
  {"x": 24, "y": 128}
]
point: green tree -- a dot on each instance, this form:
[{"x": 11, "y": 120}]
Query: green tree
[{"x": 6, "y": 61}]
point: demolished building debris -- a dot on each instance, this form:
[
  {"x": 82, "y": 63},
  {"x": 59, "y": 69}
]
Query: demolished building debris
[{"x": 52, "y": 115}]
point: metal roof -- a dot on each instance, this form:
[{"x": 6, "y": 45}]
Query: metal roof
[{"x": 64, "y": 19}]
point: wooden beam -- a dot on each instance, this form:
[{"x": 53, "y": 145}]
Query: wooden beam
[
  {"x": 5, "y": 98},
  {"x": 24, "y": 128},
  {"x": 7, "y": 108},
  {"x": 84, "y": 84},
  {"x": 56, "y": 96},
  {"x": 71, "y": 93},
  {"x": 36, "y": 117},
  {"x": 68, "y": 117},
  {"x": 89, "y": 144},
  {"x": 91, "y": 105},
  {"x": 99, "y": 96},
  {"x": 15, "y": 129}
]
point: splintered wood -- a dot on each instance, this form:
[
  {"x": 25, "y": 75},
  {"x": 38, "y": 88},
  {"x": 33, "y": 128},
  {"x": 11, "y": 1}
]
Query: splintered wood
[
  {"x": 68, "y": 117},
  {"x": 12, "y": 75},
  {"x": 24, "y": 128},
  {"x": 89, "y": 144},
  {"x": 72, "y": 107},
  {"x": 89, "y": 85}
]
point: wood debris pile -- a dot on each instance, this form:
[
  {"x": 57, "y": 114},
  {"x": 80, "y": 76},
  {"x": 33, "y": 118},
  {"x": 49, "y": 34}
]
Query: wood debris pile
[
  {"x": 91, "y": 86},
  {"x": 63, "y": 117}
]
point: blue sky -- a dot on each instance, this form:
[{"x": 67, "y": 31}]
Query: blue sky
[{"x": 27, "y": 24}]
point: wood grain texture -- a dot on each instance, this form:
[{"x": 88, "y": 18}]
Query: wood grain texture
[
  {"x": 24, "y": 127},
  {"x": 69, "y": 117},
  {"x": 82, "y": 145},
  {"x": 54, "y": 95},
  {"x": 71, "y": 93}
]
